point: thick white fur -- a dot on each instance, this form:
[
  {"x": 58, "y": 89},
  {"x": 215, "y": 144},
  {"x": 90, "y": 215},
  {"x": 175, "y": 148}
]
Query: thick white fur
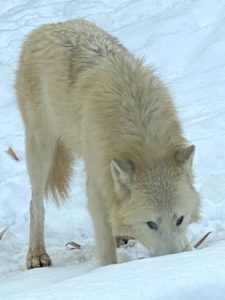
[{"x": 81, "y": 93}]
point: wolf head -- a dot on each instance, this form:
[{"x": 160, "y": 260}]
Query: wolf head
[{"x": 156, "y": 202}]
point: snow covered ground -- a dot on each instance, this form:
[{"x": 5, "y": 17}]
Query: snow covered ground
[{"x": 184, "y": 41}]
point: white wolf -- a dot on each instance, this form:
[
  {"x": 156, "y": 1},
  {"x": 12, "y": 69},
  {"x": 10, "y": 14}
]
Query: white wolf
[{"x": 81, "y": 93}]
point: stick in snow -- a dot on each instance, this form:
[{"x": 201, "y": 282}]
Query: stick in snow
[
  {"x": 2, "y": 233},
  {"x": 196, "y": 245},
  {"x": 11, "y": 153},
  {"x": 72, "y": 246}
]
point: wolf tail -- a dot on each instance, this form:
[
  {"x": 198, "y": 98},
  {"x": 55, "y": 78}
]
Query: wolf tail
[{"x": 60, "y": 173}]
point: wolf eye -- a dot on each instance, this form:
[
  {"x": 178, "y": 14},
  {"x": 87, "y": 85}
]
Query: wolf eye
[
  {"x": 152, "y": 225},
  {"x": 179, "y": 221}
]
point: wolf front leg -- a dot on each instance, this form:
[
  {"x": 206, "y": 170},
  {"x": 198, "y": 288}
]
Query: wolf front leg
[{"x": 105, "y": 242}]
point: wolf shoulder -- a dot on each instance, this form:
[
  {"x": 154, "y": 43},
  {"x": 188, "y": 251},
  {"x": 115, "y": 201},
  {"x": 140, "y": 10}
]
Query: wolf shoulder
[{"x": 76, "y": 38}]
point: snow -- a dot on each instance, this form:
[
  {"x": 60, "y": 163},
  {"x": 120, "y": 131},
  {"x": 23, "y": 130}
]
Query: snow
[{"x": 184, "y": 42}]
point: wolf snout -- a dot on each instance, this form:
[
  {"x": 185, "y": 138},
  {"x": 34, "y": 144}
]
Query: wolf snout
[{"x": 171, "y": 250}]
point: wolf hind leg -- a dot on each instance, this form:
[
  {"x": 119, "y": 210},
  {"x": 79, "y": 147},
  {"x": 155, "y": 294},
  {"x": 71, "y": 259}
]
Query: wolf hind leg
[{"x": 39, "y": 154}]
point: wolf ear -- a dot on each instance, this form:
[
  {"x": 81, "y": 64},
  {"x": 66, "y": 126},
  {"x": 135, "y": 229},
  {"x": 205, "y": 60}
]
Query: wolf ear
[
  {"x": 185, "y": 155},
  {"x": 122, "y": 173}
]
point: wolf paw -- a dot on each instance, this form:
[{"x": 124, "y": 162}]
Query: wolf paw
[{"x": 38, "y": 260}]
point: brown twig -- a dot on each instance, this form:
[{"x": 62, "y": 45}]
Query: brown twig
[
  {"x": 11, "y": 153},
  {"x": 3, "y": 232},
  {"x": 197, "y": 244},
  {"x": 72, "y": 246}
]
